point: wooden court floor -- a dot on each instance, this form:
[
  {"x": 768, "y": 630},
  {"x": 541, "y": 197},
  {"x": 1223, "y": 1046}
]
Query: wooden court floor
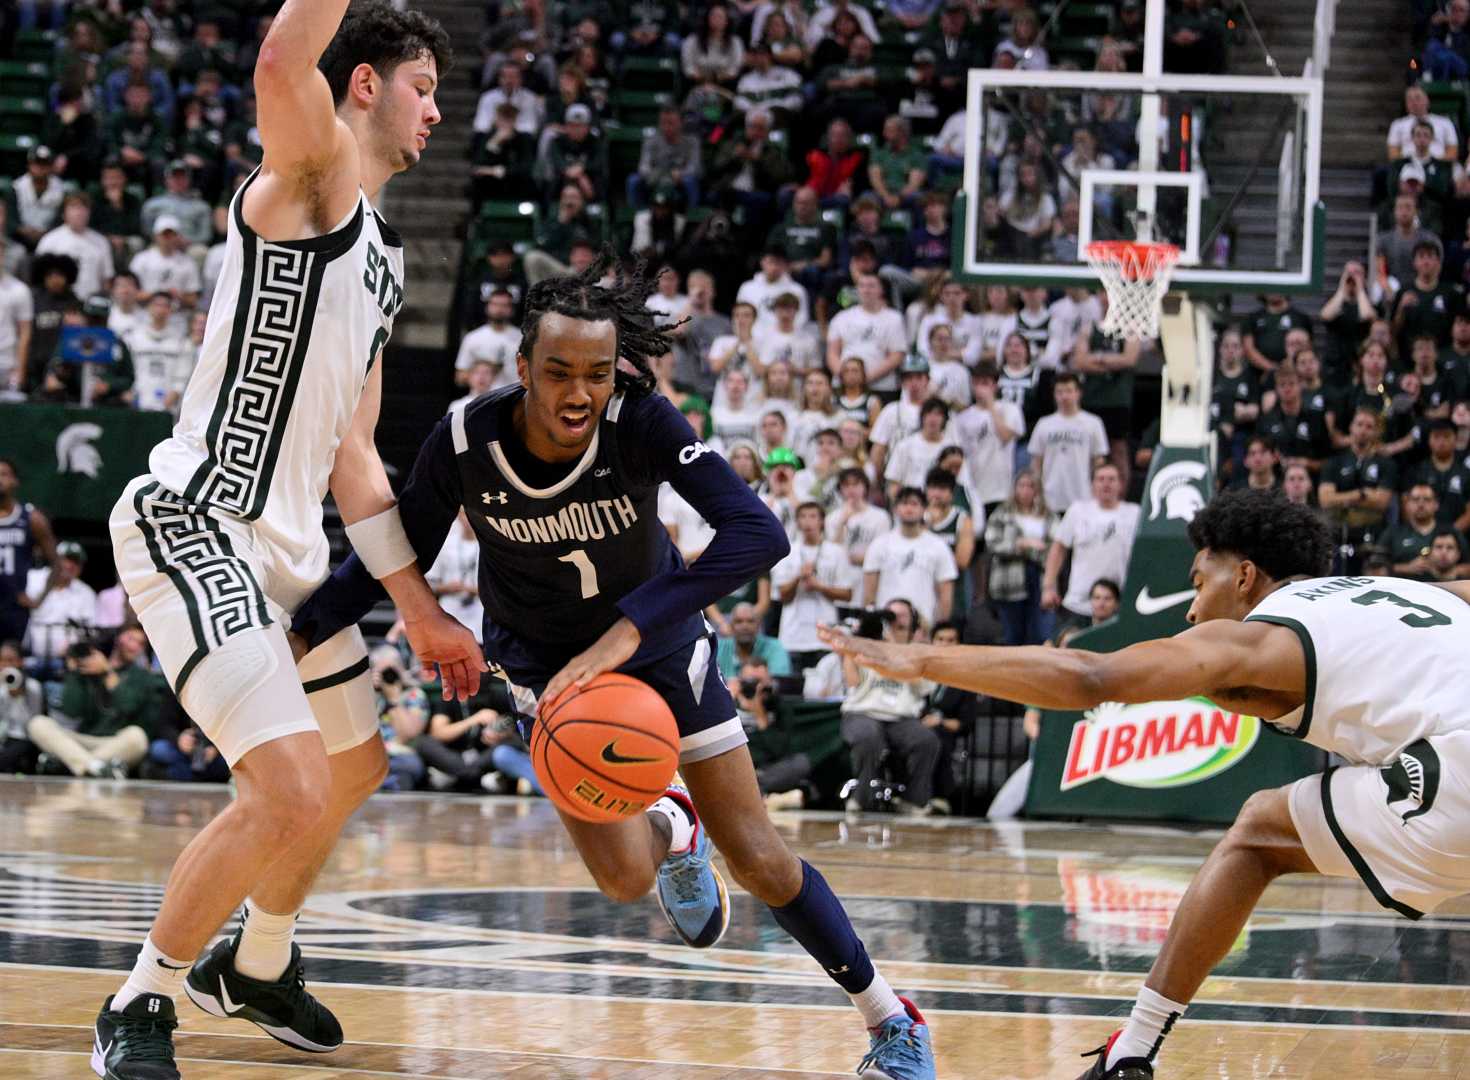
[{"x": 459, "y": 937}]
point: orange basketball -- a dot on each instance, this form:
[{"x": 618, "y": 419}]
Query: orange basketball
[{"x": 607, "y": 751}]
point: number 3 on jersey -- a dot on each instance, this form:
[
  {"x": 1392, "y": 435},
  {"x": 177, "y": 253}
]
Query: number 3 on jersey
[
  {"x": 585, "y": 570},
  {"x": 1427, "y": 615}
]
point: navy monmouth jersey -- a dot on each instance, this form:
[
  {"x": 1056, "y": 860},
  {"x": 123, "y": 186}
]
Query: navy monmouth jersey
[
  {"x": 567, "y": 551},
  {"x": 16, "y": 560}
]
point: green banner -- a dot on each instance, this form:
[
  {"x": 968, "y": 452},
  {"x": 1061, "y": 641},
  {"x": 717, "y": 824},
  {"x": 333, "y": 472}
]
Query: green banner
[
  {"x": 74, "y": 462},
  {"x": 1188, "y": 760}
]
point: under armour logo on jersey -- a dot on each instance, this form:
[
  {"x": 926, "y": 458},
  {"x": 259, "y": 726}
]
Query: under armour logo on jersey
[
  {"x": 693, "y": 452},
  {"x": 499, "y": 497}
]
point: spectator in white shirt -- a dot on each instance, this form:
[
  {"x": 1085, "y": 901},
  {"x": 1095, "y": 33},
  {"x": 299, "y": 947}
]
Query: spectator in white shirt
[
  {"x": 1075, "y": 309},
  {"x": 510, "y": 88},
  {"x": 856, "y": 523},
  {"x": 37, "y": 196},
  {"x": 899, "y": 419},
  {"x": 987, "y": 432},
  {"x": 737, "y": 350},
  {"x": 17, "y": 313},
  {"x": 911, "y": 563},
  {"x": 826, "y": 14},
  {"x": 667, "y": 302},
  {"x": 779, "y": 491},
  {"x": 127, "y": 310},
  {"x": 63, "y": 608},
  {"x": 949, "y": 379},
  {"x": 968, "y": 329},
  {"x": 75, "y": 237},
  {"x": 1066, "y": 445},
  {"x": 689, "y": 531},
  {"x": 916, "y": 454},
  {"x": 996, "y": 323},
  {"x": 163, "y": 358},
  {"x": 1098, "y": 534},
  {"x": 871, "y": 331},
  {"x": 483, "y": 376},
  {"x": 737, "y": 417},
  {"x": 166, "y": 267},
  {"x": 785, "y": 340},
  {"x": 455, "y": 576},
  {"x": 496, "y": 341},
  {"x": 1446, "y": 143},
  {"x": 774, "y": 280},
  {"x": 810, "y": 582}
]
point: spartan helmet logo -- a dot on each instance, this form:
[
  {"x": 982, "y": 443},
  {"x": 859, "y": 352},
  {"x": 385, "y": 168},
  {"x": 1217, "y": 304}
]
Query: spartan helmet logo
[
  {"x": 75, "y": 452},
  {"x": 1175, "y": 491}
]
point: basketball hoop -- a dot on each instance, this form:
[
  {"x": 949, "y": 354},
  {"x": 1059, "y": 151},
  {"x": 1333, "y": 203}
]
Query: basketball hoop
[{"x": 1136, "y": 277}]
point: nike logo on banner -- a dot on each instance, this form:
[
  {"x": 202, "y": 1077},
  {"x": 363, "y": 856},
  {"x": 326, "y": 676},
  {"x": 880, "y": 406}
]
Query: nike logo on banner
[
  {"x": 171, "y": 967},
  {"x": 224, "y": 996},
  {"x": 1152, "y": 605},
  {"x": 612, "y": 757}
]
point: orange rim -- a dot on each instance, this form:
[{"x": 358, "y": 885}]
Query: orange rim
[{"x": 1131, "y": 259}]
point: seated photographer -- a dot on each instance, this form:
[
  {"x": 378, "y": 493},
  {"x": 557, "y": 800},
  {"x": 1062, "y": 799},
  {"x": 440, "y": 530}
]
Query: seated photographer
[
  {"x": 757, "y": 703},
  {"x": 20, "y": 700},
  {"x": 950, "y": 714},
  {"x": 470, "y": 746},
  {"x": 403, "y": 713},
  {"x": 881, "y": 715},
  {"x": 186, "y": 756},
  {"x": 109, "y": 714}
]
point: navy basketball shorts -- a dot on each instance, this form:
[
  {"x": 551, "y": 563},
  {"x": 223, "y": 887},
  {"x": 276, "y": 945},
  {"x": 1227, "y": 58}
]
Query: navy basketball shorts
[{"x": 688, "y": 679}]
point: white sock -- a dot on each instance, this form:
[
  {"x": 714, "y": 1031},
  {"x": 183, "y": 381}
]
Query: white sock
[
  {"x": 153, "y": 973},
  {"x": 680, "y": 822},
  {"x": 265, "y": 943},
  {"x": 878, "y": 1002},
  {"x": 1152, "y": 1017}
]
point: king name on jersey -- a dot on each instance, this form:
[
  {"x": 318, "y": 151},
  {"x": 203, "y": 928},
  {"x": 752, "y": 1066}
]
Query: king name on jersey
[{"x": 580, "y": 521}]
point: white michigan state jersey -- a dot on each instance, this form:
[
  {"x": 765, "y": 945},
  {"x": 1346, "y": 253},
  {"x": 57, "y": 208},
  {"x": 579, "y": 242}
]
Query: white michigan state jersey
[
  {"x": 294, "y": 329},
  {"x": 1387, "y": 661}
]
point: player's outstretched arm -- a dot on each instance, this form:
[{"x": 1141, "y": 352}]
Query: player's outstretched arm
[
  {"x": 297, "y": 119},
  {"x": 359, "y": 484},
  {"x": 1208, "y": 659}
]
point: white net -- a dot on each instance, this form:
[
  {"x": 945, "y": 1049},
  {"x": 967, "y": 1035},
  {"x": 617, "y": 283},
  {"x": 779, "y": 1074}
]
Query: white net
[{"x": 1136, "y": 277}]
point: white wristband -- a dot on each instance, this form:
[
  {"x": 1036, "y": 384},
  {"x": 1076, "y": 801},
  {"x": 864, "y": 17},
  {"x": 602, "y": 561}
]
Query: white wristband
[{"x": 381, "y": 543}]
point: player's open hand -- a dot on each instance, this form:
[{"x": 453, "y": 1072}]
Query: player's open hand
[
  {"x": 614, "y": 649},
  {"x": 892, "y": 661},
  {"x": 442, "y": 640}
]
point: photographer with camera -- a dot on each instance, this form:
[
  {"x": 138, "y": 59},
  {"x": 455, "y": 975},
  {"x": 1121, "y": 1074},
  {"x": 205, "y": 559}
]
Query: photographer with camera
[
  {"x": 882, "y": 715},
  {"x": 757, "y": 701},
  {"x": 403, "y": 713},
  {"x": 470, "y": 746},
  {"x": 20, "y": 700},
  {"x": 63, "y": 610},
  {"x": 113, "y": 711}
]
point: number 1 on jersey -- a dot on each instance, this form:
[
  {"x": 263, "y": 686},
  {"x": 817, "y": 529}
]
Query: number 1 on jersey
[{"x": 585, "y": 569}]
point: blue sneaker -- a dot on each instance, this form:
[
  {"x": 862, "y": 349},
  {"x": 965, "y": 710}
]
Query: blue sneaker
[
  {"x": 900, "y": 1049},
  {"x": 691, "y": 891}
]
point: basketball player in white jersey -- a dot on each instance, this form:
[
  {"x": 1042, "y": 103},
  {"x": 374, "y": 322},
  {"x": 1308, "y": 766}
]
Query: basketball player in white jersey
[
  {"x": 1372, "y": 669},
  {"x": 222, "y": 540}
]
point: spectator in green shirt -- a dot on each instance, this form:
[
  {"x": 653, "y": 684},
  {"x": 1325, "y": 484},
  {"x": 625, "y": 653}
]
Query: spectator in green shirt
[
  {"x": 897, "y": 170},
  {"x": 113, "y": 710},
  {"x": 746, "y": 642}
]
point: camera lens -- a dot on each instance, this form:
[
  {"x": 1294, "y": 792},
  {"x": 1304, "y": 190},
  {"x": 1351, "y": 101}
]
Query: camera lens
[{"x": 11, "y": 678}]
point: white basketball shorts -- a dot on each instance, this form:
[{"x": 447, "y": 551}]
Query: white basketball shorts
[
  {"x": 1403, "y": 828},
  {"x": 215, "y": 599}
]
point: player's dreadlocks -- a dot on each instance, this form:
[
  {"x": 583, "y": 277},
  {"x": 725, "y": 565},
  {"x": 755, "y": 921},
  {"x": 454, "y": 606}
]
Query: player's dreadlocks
[
  {"x": 579, "y": 296},
  {"x": 1283, "y": 538}
]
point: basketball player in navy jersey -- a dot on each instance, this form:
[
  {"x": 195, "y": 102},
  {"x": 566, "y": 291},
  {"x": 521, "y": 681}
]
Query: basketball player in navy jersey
[
  {"x": 23, "y": 528},
  {"x": 559, "y": 476}
]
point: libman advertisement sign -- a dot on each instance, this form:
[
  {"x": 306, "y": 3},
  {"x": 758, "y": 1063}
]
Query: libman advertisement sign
[
  {"x": 1159, "y": 745},
  {"x": 1188, "y": 760}
]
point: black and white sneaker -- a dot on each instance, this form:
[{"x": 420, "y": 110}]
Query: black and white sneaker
[
  {"x": 137, "y": 1043},
  {"x": 282, "y": 1009},
  {"x": 1133, "y": 1068}
]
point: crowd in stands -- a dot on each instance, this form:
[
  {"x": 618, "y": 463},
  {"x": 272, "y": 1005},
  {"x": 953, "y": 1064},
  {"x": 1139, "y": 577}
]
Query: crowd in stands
[{"x": 949, "y": 462}]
